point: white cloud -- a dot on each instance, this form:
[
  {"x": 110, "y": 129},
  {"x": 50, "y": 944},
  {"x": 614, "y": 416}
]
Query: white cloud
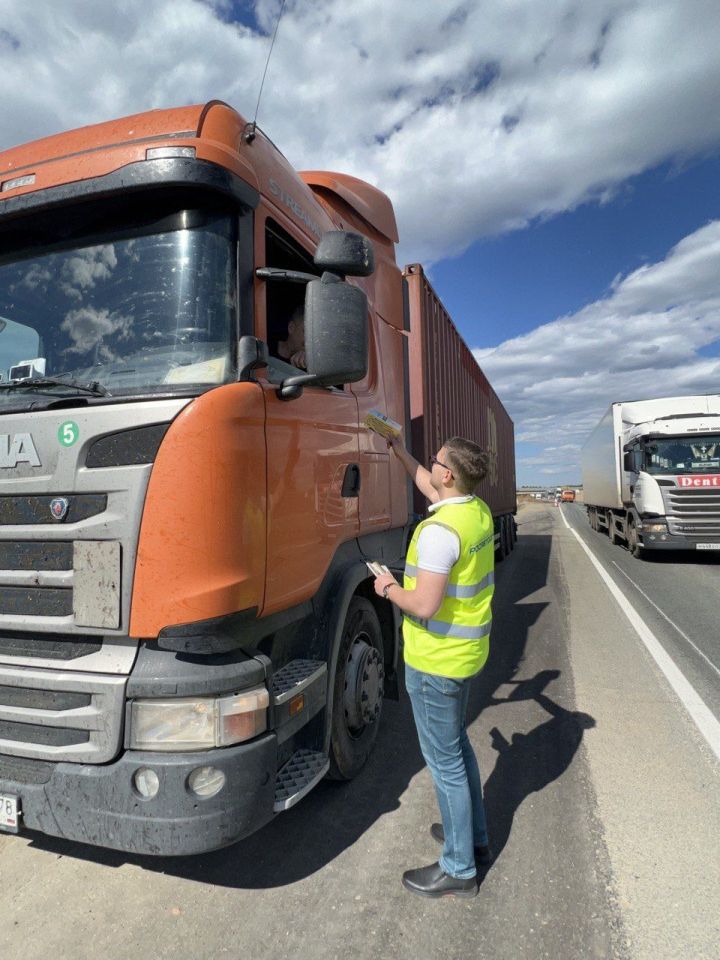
[
  {"x": 85, "y": 268},
  {"x": 641, "y": 341},
  {"x": 89, "y": 326},
  {"x": 474, "y": 117}
]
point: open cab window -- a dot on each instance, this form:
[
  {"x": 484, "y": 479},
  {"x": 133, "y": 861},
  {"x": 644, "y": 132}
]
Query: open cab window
[{"x": 285, "y": 305}]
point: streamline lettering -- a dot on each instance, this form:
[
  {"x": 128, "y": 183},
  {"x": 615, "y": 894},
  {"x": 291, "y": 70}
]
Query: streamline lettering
[{"x": 291, "y": 202}]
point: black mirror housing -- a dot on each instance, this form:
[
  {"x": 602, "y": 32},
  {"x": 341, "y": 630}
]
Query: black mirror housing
[
  {"x": 345, "y": 253},
  {"x": 336, "y": 331}
]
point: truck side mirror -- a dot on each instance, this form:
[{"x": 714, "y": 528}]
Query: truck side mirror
[
  {"x": 336, "y": 331},
  {"x": 345, "y": 253}
]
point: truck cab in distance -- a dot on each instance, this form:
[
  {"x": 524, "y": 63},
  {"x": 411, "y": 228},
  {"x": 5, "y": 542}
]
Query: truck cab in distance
[{"x": 651, "y": 474}]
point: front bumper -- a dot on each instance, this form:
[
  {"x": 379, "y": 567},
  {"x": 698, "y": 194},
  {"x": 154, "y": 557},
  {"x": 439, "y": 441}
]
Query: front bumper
[
  {"x": 99, "y": 805},
  {"x": 674, "y": 541}
]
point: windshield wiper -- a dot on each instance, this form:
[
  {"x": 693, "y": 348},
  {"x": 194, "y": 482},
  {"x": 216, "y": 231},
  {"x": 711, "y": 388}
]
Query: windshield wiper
[{"x": 33, "y": 383}]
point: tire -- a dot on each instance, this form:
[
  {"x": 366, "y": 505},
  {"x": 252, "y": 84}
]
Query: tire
[
  {"x": 634, "y": 546},
  {"x": 508, "y": 535},
  {"x": 615, "y": 537},
  {"x": 501, "y": 552},
  {"x": 357, "y": 691}
]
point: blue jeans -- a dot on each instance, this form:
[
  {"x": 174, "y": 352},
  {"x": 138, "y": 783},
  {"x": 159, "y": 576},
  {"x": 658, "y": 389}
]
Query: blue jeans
[{"x": 439, "y": 706}]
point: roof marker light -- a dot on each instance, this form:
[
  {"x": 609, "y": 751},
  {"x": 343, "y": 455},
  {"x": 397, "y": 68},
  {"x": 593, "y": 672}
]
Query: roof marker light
[
  {"x": 165, "y": 153},
  {"x": 18, "y": 182}
]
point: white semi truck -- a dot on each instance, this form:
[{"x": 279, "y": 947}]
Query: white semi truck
[{"x": 651, "y": 474}]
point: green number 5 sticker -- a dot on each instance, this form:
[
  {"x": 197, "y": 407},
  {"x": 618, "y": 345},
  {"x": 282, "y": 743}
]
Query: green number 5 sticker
[{"x": 68, "y": 433}]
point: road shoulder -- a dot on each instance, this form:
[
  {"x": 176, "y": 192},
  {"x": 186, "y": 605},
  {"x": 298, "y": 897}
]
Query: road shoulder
[{"x": 655, "y": 779}]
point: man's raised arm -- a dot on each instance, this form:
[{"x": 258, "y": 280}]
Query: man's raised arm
[{"x": 420, "y": 476}]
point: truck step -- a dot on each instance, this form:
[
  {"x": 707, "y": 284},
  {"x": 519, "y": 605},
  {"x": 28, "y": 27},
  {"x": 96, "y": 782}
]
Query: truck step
[
  {"x": 299, "y": 775},
  {"x": 294, "y": 677}
]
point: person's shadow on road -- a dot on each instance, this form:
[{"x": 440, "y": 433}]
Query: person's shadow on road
[{"x": 528, "y": 762}]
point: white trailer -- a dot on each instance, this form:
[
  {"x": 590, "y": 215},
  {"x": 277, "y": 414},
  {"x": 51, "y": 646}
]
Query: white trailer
[{"x": 651, "y": 474}]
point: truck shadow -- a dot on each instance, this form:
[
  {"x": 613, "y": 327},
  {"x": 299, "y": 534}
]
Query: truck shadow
[{"x": 337, "y": 815}]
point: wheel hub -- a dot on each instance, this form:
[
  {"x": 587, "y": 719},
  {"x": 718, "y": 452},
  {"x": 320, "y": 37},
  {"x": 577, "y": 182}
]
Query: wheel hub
[{"x": 364, "y": 676}]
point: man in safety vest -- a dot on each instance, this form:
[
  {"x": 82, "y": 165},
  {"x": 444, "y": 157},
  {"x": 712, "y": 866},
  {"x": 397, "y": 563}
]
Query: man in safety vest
[{"x": 446, "y": 600}]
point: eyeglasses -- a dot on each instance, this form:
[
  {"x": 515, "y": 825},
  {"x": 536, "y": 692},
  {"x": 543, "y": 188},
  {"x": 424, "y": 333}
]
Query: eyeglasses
[{"x": 439, "y": 463}]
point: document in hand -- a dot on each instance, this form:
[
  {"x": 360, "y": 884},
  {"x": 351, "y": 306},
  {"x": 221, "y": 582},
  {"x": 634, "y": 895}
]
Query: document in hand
[
  {"x": 381, "y": 423},
  {"x": 376, "y": 569}
]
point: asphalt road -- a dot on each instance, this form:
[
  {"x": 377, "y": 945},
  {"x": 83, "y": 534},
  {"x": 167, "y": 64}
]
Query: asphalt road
[
  {"x": 677, "y": 595},
  {"x": 602, "y": 802}
]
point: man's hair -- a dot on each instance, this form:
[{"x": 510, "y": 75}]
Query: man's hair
[{"x": 468, "y": 461}]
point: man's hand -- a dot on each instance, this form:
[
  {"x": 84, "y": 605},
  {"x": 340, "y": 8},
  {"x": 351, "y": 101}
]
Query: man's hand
[
  {"x": 298, "y": 359},
  {"x": 384, "y": 581}
]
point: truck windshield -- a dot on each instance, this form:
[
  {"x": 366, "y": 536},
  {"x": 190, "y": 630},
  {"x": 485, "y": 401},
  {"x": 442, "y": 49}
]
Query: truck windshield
[
  {"x": 149, "y": 307},
  {"x": 688, "y": 454}
]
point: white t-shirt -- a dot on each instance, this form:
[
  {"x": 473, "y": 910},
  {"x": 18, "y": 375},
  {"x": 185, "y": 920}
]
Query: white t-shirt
[{"x": 439, "y": 547}]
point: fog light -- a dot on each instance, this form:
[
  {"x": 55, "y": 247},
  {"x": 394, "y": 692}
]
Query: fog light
[
  {"x": 206, "y": 781},
  {"x": 147, "y": 782}
]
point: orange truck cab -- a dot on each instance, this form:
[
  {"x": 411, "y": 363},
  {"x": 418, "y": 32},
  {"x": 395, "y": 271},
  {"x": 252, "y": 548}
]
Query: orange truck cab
[
  {"x": 189, "y": 638},
  {"x": 568, "y": 496}
]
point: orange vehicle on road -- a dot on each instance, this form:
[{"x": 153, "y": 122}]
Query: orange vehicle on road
[
  {"x": 189, "y": 638},
  {"x": 568, "y": 496}
]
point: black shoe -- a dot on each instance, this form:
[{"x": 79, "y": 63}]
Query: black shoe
[
  {"x": 483, "y": 854},
  {"x": 432, "y": 881}
]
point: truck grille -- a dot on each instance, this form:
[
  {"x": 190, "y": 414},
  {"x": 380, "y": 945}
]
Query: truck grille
[
  {"x": 36, "y": 578},
  {"x": 47, "y": 715},
  {"x": 693, "y": 511},
  {"x": 77, "y": 582}
]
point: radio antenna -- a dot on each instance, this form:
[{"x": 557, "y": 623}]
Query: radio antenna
[{"x": 249, "y": 134}]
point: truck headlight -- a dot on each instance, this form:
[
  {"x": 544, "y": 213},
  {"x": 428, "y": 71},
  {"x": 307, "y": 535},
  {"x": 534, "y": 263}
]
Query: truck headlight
[
  {"x": 654, "y": 527},
  {"x": 198, "y": 723}
]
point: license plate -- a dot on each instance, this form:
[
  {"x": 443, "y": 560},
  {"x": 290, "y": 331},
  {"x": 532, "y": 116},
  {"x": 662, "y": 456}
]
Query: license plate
[
  {"x": 707, "y": 546},
  {"x": 9, "y": 813}
]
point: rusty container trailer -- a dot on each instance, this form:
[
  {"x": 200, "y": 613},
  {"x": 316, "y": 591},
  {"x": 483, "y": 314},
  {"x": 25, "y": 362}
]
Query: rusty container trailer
[{"x": 451, "y": 396}]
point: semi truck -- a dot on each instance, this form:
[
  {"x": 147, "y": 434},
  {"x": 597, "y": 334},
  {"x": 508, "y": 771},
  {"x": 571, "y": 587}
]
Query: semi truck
[
  {"x": 189, "y": 637},
  {"x": 651, "y": 474}
]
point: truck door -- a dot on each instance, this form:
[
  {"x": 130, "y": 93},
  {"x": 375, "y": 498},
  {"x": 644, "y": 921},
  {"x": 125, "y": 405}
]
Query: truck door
[{"x": 312, "y": 441}]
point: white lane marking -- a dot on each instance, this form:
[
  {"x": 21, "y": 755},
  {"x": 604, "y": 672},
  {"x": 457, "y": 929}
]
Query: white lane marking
[
  {"x": 702, "y": 716},
  {"x": 671, "y": 622}
]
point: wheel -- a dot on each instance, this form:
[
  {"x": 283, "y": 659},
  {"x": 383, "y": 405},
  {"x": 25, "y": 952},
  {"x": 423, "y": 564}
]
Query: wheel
[
  {"x": 501, "y": 552},
  {"x": 507, "y": 531},
  {"x": 633, "y": 543},
  {"x": 357, "y": 691}
]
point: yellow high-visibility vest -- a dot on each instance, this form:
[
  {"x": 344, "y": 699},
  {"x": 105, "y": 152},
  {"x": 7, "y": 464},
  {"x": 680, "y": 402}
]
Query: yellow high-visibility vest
[{"x": 455, "y": 642}]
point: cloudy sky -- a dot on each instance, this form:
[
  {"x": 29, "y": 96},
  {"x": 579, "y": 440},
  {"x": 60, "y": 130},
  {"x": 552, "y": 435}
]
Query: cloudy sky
[{"x": 555, "y": 164}]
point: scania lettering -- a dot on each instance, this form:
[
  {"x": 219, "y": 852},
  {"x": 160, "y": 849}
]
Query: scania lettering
[
  {"x": 189, "y": 636},
  {"x": 18, "y": 449}
]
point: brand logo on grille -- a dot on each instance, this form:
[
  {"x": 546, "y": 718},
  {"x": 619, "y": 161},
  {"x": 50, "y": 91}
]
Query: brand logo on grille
[
  {"x": 17, "y": 448},
  {"x": 59, "y": 507},
  {"x": 711, "y": 480}
]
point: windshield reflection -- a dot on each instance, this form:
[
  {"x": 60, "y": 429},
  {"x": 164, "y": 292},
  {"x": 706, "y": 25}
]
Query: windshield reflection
[
  {"x": 149, "y": 312},
  {"x": 688, "y": 454}
]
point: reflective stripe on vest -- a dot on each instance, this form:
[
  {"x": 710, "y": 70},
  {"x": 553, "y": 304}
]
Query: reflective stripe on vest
[
  {"x": 453, "y": 590},
  {"x": 454, "y": 642},
  {"x": 449, "y": 630}
]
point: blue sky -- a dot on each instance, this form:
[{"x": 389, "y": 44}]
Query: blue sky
[
  {"x": 554, "y": 165},
  {"x": 506, "y": 285}
]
